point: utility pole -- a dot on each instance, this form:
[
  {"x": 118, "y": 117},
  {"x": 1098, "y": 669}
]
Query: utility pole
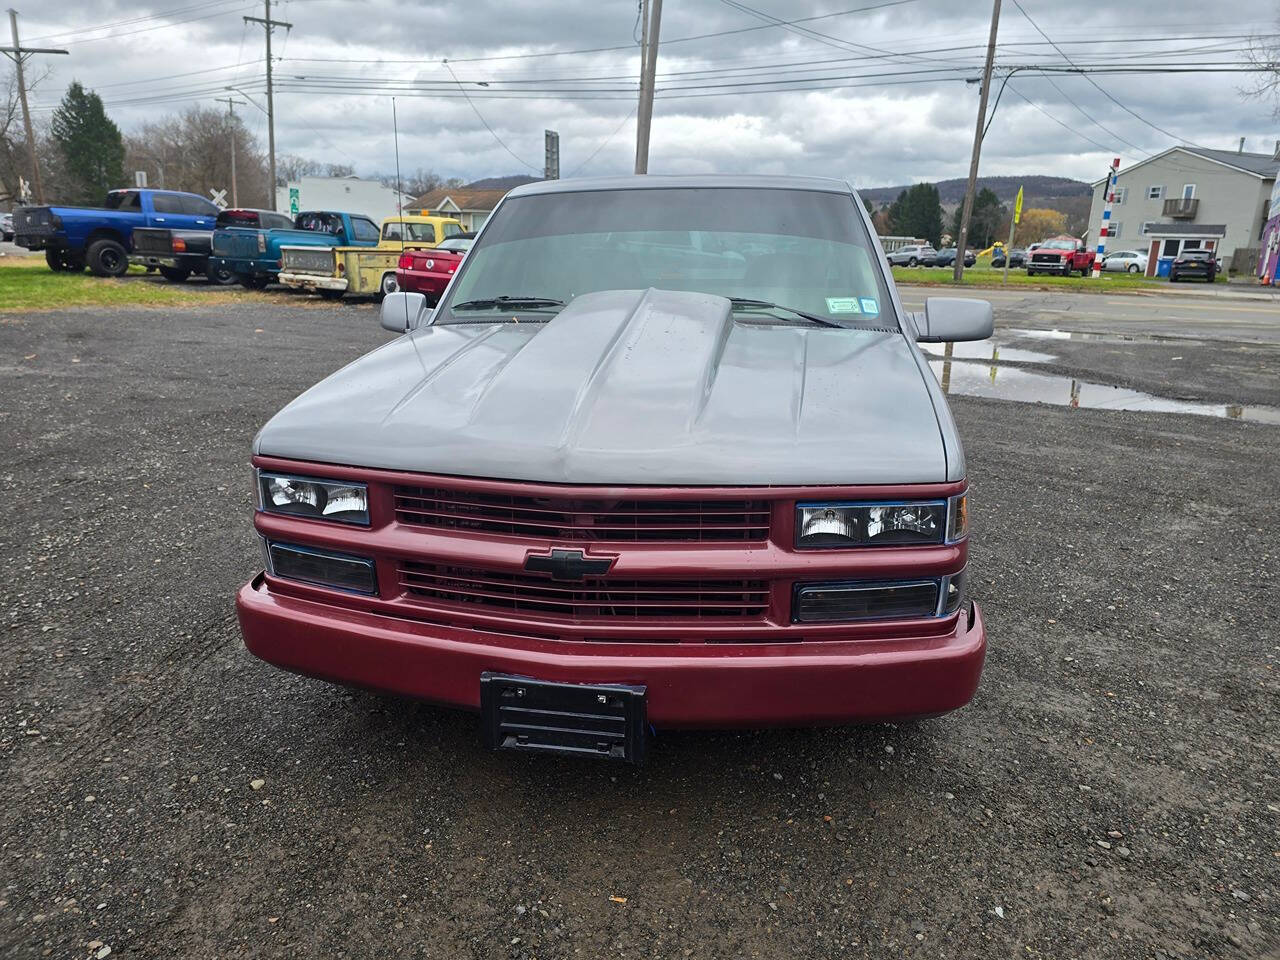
[
  {"x": 268, "y": 24},
  {"x": 967, "y": 210},
  {"x": 651, "y": 14},
  {"x": 20, "y": 55},
  {"x": 231, "y": 111}
]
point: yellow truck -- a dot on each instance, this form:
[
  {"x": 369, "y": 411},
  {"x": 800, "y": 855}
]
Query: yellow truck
[{"x": 334, "y": 272}]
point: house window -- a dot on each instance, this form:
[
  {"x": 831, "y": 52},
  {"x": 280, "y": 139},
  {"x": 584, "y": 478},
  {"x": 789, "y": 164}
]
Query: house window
[
  {"x": 1121, "y": 194},
  {"x": 1155, "y": 193},
  {"x": 1113, "y": 230},
  {"x": 1188, "y": 191},
  {"x": 1190, "y": 244},
  {"x": 1170, "y": 248}
]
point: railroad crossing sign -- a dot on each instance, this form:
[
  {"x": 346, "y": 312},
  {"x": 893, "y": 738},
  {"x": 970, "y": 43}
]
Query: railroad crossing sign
[{"x": 219, "y": 198}]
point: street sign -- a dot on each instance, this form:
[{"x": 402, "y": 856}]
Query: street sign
[
  {"x": 551, "y": 155},
  {"x": 219, "y": 198},
  {"x": 140, "y": 179},
  {"x": 293, "y": 200},
  {"x": 1017, "y": 207}
]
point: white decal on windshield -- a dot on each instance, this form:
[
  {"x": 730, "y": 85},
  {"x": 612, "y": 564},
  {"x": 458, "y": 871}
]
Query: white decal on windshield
[
  {"x": 843, "y": 305},
  {"x": 870, "y": 306}
]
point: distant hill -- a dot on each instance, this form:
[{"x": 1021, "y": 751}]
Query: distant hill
[
  {"x": 1063, "y": 194},
  {"x": 507, "y": 183},
  {"x": 951, "y": 192}
]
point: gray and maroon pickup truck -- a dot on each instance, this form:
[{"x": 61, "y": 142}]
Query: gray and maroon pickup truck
[{"x": 665, "y": 454}]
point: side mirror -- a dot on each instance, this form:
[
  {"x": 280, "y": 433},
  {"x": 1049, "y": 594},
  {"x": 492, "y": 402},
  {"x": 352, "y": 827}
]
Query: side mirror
[
  {"x": 402, "y": 312},
  {"x": 947, "y": 319}
]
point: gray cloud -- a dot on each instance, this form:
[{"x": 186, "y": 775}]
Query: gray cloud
[{"x": 899, "y": 124}]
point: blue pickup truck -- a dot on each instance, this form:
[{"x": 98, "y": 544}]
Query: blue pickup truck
[
  {"x": 102, "y": 238},
  {"x": 254, "y": 255}
]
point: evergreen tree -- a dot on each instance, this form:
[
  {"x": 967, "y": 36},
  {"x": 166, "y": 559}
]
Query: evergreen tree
[
  {"x": 918, "y": 213},
  {"x": 90, "y": 144}
]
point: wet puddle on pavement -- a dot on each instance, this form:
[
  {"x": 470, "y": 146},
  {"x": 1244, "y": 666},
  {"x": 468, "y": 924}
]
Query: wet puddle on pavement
[
  {"x": 991, "y": 350},
  {"x": 1022, "y": 333},
  {"x": 975, "y": 379}
]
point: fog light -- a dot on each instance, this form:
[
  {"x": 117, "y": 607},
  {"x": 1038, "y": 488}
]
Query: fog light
[
  {"x": 308, "y": 565},
  {"x": 894, "y": 600}
]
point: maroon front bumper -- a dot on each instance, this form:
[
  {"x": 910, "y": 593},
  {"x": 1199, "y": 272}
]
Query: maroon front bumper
[
  {"x": 702, "y": 685},
  {"x": 705, "y": 624}
]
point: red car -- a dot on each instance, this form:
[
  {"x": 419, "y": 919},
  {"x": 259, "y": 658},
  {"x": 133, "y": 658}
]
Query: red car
[{"x": 429, "y": 271}]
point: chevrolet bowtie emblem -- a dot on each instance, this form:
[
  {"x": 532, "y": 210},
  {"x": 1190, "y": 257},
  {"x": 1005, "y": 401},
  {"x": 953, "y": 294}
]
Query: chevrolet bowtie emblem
[{"x": 567, "y": 564}]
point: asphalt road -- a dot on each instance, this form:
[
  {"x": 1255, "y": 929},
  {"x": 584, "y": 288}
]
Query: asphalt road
[{"x": 1112, "y": 792}]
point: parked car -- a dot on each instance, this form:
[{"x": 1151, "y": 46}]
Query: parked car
[
  {"x": 1194, "y": 264},
  {"x": 1125, "y": 261},
  {"x": 177, "y": 254},
  {"x": 947, "y": 258},
  {"x": 361, "y": 269},
  {"x": 6, "y": 226},
  {"x": 429, "y": 271},
  {"x": 254, "y": 254},
  {"x": 912, "y": 256},
  {"x": 591, "y": 492},
  {"x": 1017, "y": 258},
  {"x": 101, "y": 238},
  {"x": 1061, "y": 255}
]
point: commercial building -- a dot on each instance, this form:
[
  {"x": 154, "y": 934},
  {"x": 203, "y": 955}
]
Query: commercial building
[
  {"x": 1190, "y": 198},
  {"x": 344, "y": 194}
]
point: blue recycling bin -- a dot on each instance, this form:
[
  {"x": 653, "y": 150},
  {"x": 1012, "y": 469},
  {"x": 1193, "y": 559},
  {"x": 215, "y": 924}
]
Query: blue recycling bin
[{"x": 1163, "y": 265}]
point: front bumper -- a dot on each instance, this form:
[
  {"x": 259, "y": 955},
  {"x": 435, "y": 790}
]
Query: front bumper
[
  {"x": 689, "y": 685},
  {"x": 312, "y": 281}
]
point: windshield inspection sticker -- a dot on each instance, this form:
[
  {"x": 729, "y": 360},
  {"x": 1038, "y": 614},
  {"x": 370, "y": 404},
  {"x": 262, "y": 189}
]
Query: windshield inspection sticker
[
  {"x": 870, "y": 306},
  {"x": 843, "y": 305}
]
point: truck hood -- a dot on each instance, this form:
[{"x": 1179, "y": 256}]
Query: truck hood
[{"x": 631, "y": 387}]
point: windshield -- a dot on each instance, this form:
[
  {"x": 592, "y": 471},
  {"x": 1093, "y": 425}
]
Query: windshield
[
  {"x": 456, "y": 246},
  {"x": 1058, "y": 245},
  {"x": 804, "y": 250}
]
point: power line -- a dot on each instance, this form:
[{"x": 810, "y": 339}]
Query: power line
[
  {"x": 133, "y": 20},
  {"x": 603, "y": 143},
  {"x": 1096, "y": 85},
  {"x": 1064, "y": 126},
  {"x": 476, "y": 111}
]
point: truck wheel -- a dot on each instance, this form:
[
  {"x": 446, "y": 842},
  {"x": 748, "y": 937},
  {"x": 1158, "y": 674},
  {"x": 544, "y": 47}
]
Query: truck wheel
[
  {"x": 175, "y": 274},
  {"x": 331, "y": 294},
  {"x": 107, "y": 259},
  {"x": 220, "y": 276},
  {"x": 254, "y": 281},
  {"x": 388, "y": 284},
  {"x": 54, "y": 259}
]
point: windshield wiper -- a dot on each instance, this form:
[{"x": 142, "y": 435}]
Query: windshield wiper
[
  {"x": 501, "y": 303},
  {"x": 745, "y": 303}
]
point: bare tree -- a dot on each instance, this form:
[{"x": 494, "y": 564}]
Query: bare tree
[
  {"x": 15, "y": 156},
  {"x": 1264, "y": 53},
  {"x": 192, "y": 151},
  {"x": 290, "y": 166}
]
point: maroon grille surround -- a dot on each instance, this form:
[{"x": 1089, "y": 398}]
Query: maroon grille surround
[
  {"x": 469, "y": 573},
  {"x": 551, "y": 516},
  {"x": 596, "y": 597}
]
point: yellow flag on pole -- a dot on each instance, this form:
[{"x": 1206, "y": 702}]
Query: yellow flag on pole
[{"x": 1017, "y": 207}]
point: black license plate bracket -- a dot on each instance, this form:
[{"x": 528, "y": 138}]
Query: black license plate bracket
[{"x": 606, "y": 721}]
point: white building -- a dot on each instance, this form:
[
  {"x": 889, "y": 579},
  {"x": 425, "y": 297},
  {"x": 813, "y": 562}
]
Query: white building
[
  {"x": 340, "y": 194},
  {"x": 1188, "y": 198}
]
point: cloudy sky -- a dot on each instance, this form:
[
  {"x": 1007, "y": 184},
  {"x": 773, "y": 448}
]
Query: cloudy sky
[{"x": 870, "y": 90}]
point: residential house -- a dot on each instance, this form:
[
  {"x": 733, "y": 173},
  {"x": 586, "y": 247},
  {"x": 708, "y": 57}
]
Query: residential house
[
  {"x": 343, "y": 194},
  {"x": 470, "y": 207},
  {"x": 1188, "y": 198}
]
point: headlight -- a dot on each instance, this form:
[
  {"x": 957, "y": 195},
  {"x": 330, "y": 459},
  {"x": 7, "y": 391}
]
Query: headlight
[
  {"x": 870, "y": 524},
  {"x": 314, "y": 498}
]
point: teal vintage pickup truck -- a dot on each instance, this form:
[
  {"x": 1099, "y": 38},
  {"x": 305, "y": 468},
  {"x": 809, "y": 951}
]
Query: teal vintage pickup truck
[{"x": 253, "y": 255}]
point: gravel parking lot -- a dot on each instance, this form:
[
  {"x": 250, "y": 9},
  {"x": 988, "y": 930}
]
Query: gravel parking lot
[{"x": 1112, "y": 791}]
